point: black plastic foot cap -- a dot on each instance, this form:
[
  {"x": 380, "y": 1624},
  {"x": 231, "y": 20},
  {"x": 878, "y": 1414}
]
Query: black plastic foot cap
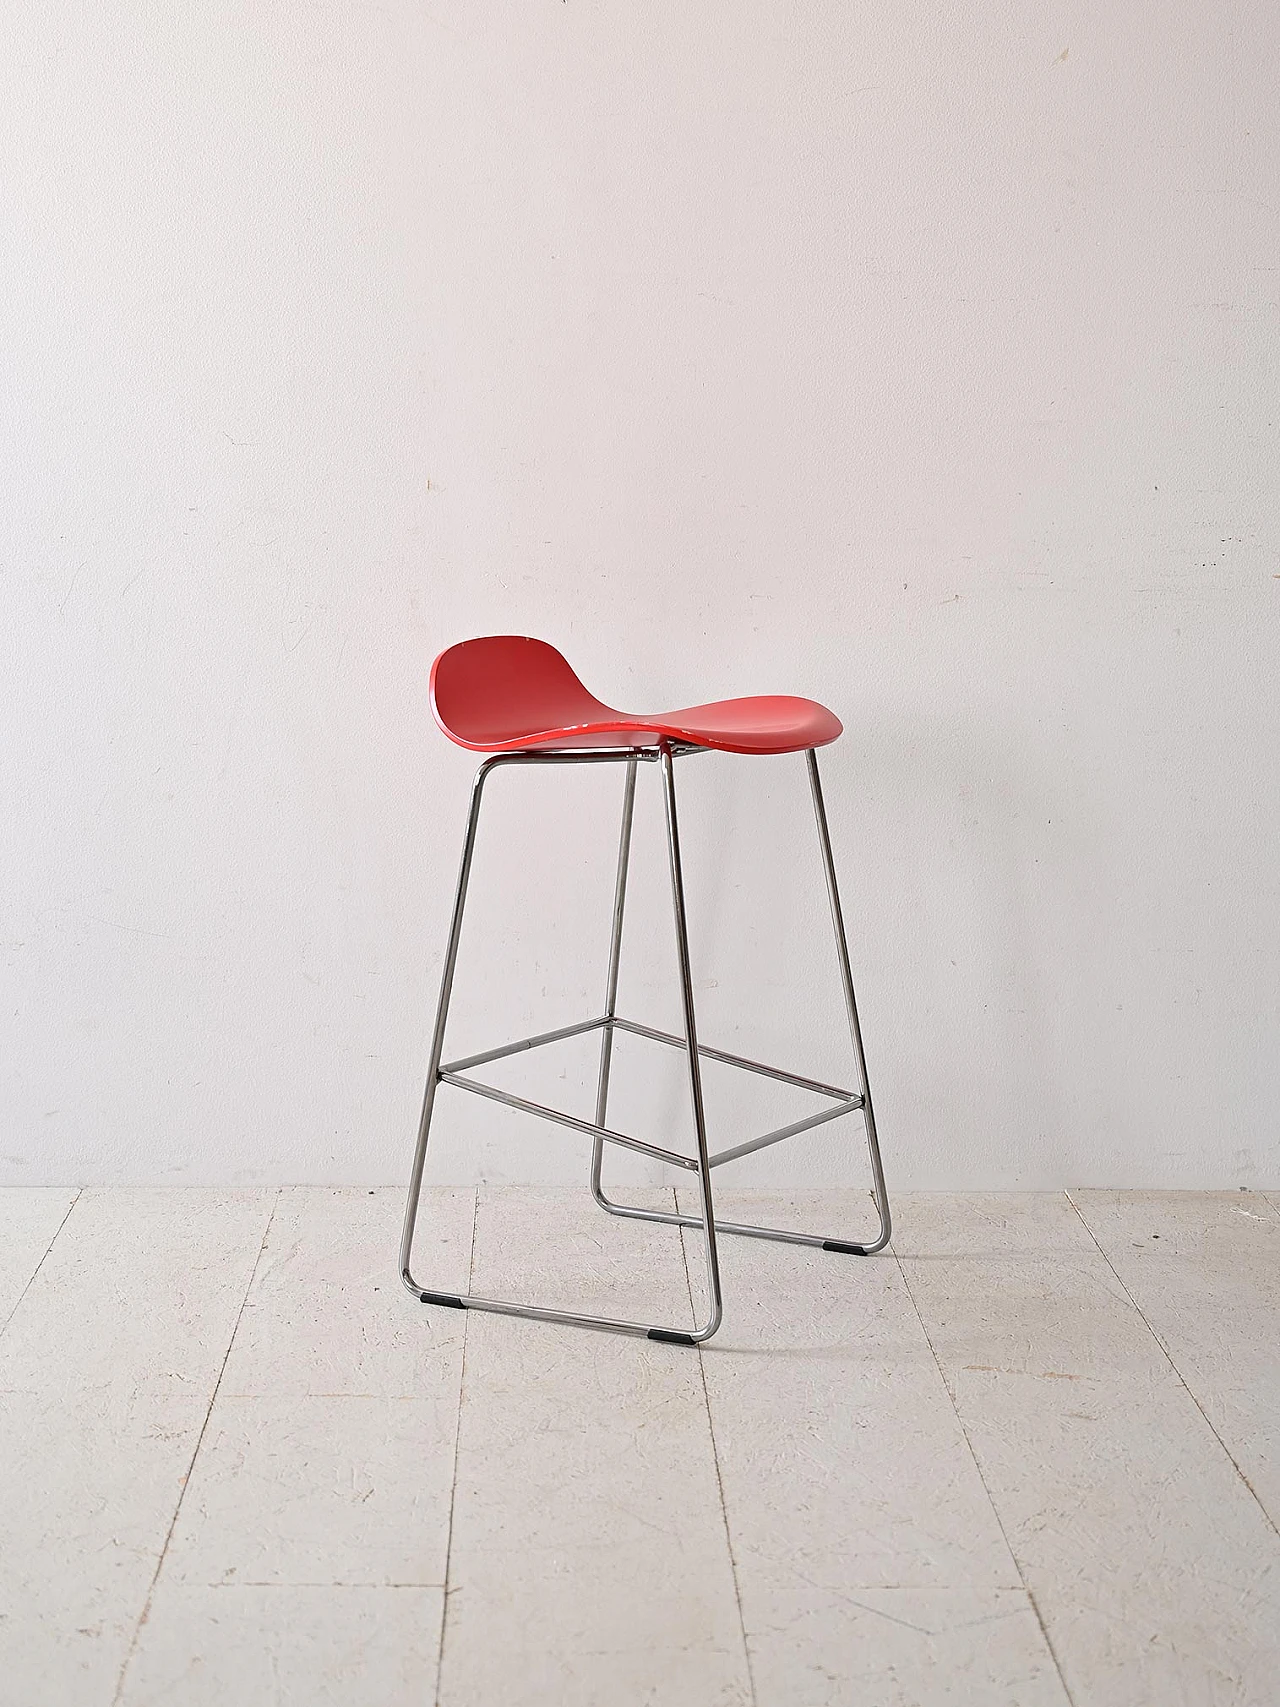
[
  {"x": 848, "y": 1250},
  {"x": 671, "y": 1336},
  {"x": 446, "y": 1298}
]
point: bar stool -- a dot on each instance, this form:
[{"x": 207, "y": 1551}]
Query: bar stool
[{"x": 519, "y": 701}]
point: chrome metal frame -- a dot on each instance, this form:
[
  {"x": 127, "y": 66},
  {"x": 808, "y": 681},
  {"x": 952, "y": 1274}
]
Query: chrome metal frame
[{"x": 456, "y": 1073}]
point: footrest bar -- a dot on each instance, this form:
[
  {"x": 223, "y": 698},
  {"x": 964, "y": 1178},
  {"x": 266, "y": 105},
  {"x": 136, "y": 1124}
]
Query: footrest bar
[
  {"x": 728, "y": 1060},
  {"x": 522, "y": 1043},
  {"x": 569, "y": 1120},
  {"x": 753, "y": 1144}
]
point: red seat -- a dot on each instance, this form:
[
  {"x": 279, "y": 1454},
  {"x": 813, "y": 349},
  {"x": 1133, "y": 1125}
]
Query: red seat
[{"x": 506, "y": 692}]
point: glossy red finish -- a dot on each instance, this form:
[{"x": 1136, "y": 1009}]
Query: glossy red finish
[{"x": 505, "y": 692}]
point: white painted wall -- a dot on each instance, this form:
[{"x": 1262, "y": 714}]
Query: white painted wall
[{"x": 922, "y": 359}]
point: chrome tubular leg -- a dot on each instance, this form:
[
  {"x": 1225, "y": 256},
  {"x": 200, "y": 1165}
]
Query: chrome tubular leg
[
  {"x": 533, "y": 1312},
  {"x": 715, "y": 1302},
  {"x": 611, "y": 990},
  {"x": 442, "y": 1015},
  {"x": 819, "y": 1241},
  {"x": 855, "y": 1031}
]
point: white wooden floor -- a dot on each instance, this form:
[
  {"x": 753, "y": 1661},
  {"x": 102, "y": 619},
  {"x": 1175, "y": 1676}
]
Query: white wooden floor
[{"x": 1031, "y": 1458}]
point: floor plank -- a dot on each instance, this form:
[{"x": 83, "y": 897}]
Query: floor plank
[
  {"x": 1204, "y": 1269},
  {"x": 326, "y": 1550},
  {"x": 337, "y": 1491},
  {"x": 867, "y": 1551},
  {"x": 327, "y": 1313},
  {"x": 88, "y": 1487},
  {"x": 106, "y": 1374},
  {"x": 139, "y": 1294},
  {"x": 327, "y": 1463},
  {"x": 1155, "y": 1572},
  {"x": 902, "y": 1647},
  {"x": 289, "y": 1647},
  {"x": 589, "y": 1561},
  {"x": 30, "y": 1217}
]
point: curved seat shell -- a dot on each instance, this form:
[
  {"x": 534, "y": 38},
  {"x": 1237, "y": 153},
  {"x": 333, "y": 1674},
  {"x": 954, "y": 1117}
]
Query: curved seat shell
[{"x": 505, "y": 692}]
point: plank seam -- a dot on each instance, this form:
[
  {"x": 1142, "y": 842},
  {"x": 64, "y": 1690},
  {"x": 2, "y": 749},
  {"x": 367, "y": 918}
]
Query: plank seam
[
  {"x": 995, "y": 1511},
  {"x": 1168, "y": 1357},
  {"x": 715, "y": 1459},
  {"x": 457, "y": 1444},
  {"x": 36, "y": 1270},
  {"x": 186, "y": 1480}
]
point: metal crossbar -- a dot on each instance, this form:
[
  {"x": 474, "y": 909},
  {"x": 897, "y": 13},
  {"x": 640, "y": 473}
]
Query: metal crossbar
[
  {"x": 522, "y": 1043},
  {"x": 452, "y": 1073},
  {"x": 730, "y": 1060},
  {"x": 570, "y": 1120},
  {"x": 608, "y": 1025}
]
